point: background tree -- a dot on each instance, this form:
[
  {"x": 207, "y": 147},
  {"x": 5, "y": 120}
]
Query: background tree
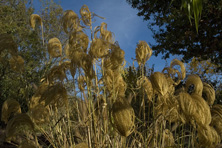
[
  {"x": 177, "y": 36},
  {"x": 14, "y": 23}
]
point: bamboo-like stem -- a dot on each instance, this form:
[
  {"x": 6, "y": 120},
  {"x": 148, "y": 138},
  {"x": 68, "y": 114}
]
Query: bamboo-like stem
[{"x": 89, "y": 137}]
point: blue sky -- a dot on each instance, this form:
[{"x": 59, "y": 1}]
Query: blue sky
[{"x": 123, "y": 21}]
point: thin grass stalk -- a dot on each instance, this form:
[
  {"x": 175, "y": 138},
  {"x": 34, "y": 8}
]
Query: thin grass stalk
[
  {"x": 123, "y": 142},
  {"x": 162, "y": 128},
  {"x": 42, "y": 35},
  {"x": 161, "y": 143},
  {"x": 89, "y": 137},
  {"x": 154, "y": 121},
  {"x": 190, "y": 138},
  {"x": 90, "y": 126},
  {"x": 105, "y": 113},
  {"x": 140, "y": 109},
  {"x": 183, "y": 134},
  {"x": 69, "y": 126},
  {"x": 193, "y": 136},
  {"x": 143, "y": 101},
  {"x": 47, "y": 137}
]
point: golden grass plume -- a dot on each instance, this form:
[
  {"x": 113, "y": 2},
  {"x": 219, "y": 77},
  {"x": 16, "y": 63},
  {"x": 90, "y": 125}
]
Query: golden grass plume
[
  {"x": 145, "y": 83},
  {"x": 159, "y": 83},
  {"x": 34, "y": 18},
  {"x": 54, "y": 47},
  {"x": 78, "y": 41},
  {"x": 175, "y": 62},
  {"x": 86, "y": 15},
  {"x": 196, "y": 82},
  {"x": 106, "y": 35},
  {"x": 18, "y": 124},
  {"x": 10, "y": 107},
  {"x": 143, "y": 52},
  {"x": 187, "y": 106},
  {"x": 208, "y": 93},
  {"x": 98, "y": 48},
  {"x": 216, "y": 122},
  {"x": 202, "y": 113},
  {"x": 117, "y": 56},
  {"x": 122, "y": 117},
  {"x": 170, "y": 76},
  {"x": 55, "y": 95},
  {"x": 58, "y": 72},
  {"x": 168, "y": 138},
  {"x": 70, "y": 21},
  {"x": 208, "y": 137},
  {"x": 39, "y": 114}
]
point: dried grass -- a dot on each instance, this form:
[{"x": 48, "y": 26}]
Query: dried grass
[
  {"x": 143, "y": 52},
  {"x": 122, "y": 117}
]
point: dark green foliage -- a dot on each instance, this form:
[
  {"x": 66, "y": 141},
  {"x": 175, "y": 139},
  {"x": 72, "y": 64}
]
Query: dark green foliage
[{"x": 176, "y": 35}]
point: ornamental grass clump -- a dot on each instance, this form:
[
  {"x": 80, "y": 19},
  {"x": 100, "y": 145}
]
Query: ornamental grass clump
[{"x": 87, "y": 98}]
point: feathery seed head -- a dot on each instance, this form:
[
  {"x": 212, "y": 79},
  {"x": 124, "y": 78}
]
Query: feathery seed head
[
  {"x": 145, "y": 83},
  {"x": 54, "y": 47},
  {"x": 143, "y": 52},
  {"x": 17, "y": 124},
  {"x": 196, "y": 82},
  {"x": 208, "y": 93},
  {"x": 35, "y": 18},
  {"x": 10, "y": 108},
  {"x": 71, "y": 21},
  {"x": 159, "y": 83},
  {"x": 86, "y": 15},
  {"x": 122, "y": 117},
  {"x": 216, "y": 122},
  {"x": 98, "y": 48},
  {"x": 182, "y": 67}
]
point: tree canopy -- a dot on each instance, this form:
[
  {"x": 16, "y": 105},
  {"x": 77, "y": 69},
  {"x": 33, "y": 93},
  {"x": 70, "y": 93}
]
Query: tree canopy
[
  {"x": 176, "y": 35},
  {"x": 22, "y": 54}
]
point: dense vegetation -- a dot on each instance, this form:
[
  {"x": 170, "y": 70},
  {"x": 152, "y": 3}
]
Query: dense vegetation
[{"x": 62, "y": 88}]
